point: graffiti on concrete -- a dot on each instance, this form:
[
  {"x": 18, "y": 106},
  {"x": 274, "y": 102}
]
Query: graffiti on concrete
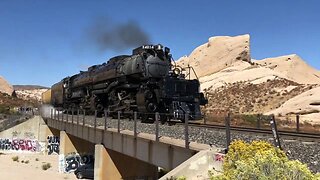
[
  {"x": 20, "y": 144},
  {"x": 53, "y": 144},
  {"x": 74, "y": 160},
  {"x": 219, "y": 157},
  {"x": 5, "y": 144},
  {"x": 61, "y": 163}
]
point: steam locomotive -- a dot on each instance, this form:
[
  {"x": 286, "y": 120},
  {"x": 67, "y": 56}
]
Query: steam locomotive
[{"x": 146, "y": 82}]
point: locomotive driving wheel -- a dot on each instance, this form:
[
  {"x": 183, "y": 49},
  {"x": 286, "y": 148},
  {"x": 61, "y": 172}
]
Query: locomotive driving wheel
[
  {"x": 146, "y": 118},
  {"x": 163, "y": 118}
]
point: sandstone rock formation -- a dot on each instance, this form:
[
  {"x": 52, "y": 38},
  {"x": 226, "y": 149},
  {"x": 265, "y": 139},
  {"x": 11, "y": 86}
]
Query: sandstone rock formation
[
  {"x": 306, "y": 104},
  {"x": 234, "y": 82},
  {"x": 293, "y": 68},
  {"x": 5, "y": 87},
  {"x": 217, "y": 54}
]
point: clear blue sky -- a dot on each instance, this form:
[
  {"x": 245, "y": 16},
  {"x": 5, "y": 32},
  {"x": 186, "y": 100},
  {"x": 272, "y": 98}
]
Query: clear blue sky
[{"x": 42, "y": 41}]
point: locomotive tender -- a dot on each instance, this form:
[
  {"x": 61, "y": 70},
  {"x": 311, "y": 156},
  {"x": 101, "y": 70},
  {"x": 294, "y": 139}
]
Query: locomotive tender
[{"x": 145, "y": 81}]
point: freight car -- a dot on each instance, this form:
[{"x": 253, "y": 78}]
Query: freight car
[
  {"x": 146, "y": 82},
  {"x": 46, "y": 97}
]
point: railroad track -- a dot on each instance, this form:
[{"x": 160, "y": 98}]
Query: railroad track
[{"x": 313, "y": 136}]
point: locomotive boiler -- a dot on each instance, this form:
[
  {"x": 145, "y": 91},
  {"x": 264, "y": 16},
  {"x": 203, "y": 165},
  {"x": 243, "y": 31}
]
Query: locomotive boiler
[{"x": 145, "y": 81}]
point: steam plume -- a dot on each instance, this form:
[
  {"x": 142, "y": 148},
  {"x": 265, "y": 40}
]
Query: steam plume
[{"x": 107, "y": 35}]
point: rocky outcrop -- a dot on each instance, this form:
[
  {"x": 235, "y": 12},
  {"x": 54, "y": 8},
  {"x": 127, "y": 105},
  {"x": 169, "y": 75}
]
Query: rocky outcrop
[
  {"x": 30, "y": 94},
  {"x": 306, "y": 104},
  {"x": 219, "y": 53},
  {"x": 233, "y": 82},
  {"x": 292, "y": 67},
  {"x": 5, "y": 87}
]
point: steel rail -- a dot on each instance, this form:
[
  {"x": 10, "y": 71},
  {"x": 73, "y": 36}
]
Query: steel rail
[{"x": 255, "y": 130}]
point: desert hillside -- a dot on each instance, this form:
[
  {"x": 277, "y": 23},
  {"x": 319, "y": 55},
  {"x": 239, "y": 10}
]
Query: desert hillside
[
  {"x": 234, "y": 82},
  {"x": 28, "y": 93},
  {"x": 28, "y": 87},
  {"x": 10, "y": 100}
]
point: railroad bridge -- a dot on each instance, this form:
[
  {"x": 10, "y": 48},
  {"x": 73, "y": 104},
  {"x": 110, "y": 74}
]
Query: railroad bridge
[{"x": 119, "y": 153}]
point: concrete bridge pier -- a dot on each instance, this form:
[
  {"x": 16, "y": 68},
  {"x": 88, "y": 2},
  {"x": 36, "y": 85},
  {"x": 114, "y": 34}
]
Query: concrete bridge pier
[
  {"x": 66, "y": 145},
  {"x": 73, "y": 148},
  {"x": 113, "y": 165}
]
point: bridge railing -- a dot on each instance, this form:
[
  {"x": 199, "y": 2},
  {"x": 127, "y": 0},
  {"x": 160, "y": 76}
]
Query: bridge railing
[
  {"x": 132, "y": 121},
  {"x": 121, "y": 121},
  {"x": 293, "y": 122}
]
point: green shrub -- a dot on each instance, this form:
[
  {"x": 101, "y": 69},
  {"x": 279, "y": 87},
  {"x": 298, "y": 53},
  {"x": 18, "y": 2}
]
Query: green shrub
[
  {"x": 15, "y": 158},
  {"x": 46, "y": 166},
  {"x": 181, "y": 178},
  {"x": 177, "y": 178},
  {"x": 4, "y": 109},
  {"x": 260, "y": 160}
]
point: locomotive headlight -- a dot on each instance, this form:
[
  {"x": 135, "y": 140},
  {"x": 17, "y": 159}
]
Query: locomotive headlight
[
  {"x": 159, "y": 47},
  {"x": 196, "y": 99},
  {"x": 176, "y": 71}
]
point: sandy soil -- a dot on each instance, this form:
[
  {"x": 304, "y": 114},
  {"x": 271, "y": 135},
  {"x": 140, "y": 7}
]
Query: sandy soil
[{"x": 10, "y": 169}]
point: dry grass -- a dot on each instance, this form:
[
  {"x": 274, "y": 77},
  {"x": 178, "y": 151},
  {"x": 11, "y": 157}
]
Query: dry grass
[{"x": 246, "y": 98}]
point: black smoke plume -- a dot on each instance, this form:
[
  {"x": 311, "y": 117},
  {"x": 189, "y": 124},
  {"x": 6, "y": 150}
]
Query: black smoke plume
[{"x": 107, "y": 35}]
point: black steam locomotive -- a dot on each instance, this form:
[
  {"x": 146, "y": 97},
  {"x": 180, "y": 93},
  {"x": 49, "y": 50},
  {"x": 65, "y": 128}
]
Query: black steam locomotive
[{"x": 145, "y": 81}]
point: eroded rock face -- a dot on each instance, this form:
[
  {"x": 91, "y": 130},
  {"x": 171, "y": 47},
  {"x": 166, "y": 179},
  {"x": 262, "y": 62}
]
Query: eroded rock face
[
  {"x": 218, "y": 53},
  {"x": 292, "y": 67},
  {"x": 5, "y": 87},
  {"x": 234, "y": 82},
  {"x": 306, "y": 104}
]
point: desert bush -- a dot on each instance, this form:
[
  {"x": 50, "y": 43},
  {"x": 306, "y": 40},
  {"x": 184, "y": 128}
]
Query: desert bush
[
  {"x": 260, "y": 160},
  {"x": 4, "y": 109},
  {"x": 250, "y": 119},
  {"x": 181, "y": 178},
  {"x": 15, "y": 158},
  {"x": 27, "y": 162},
  {"x": 177, "y": 178},
  {"x": 46, "y": 166},
  {"x": 37, "y": 159}
]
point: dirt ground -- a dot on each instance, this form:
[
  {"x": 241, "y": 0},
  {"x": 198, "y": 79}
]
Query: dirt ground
[{"x": 32, "y": 169}]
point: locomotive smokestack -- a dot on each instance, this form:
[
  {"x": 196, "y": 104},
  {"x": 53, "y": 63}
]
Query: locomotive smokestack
[{"x": 107, "y": 35}]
